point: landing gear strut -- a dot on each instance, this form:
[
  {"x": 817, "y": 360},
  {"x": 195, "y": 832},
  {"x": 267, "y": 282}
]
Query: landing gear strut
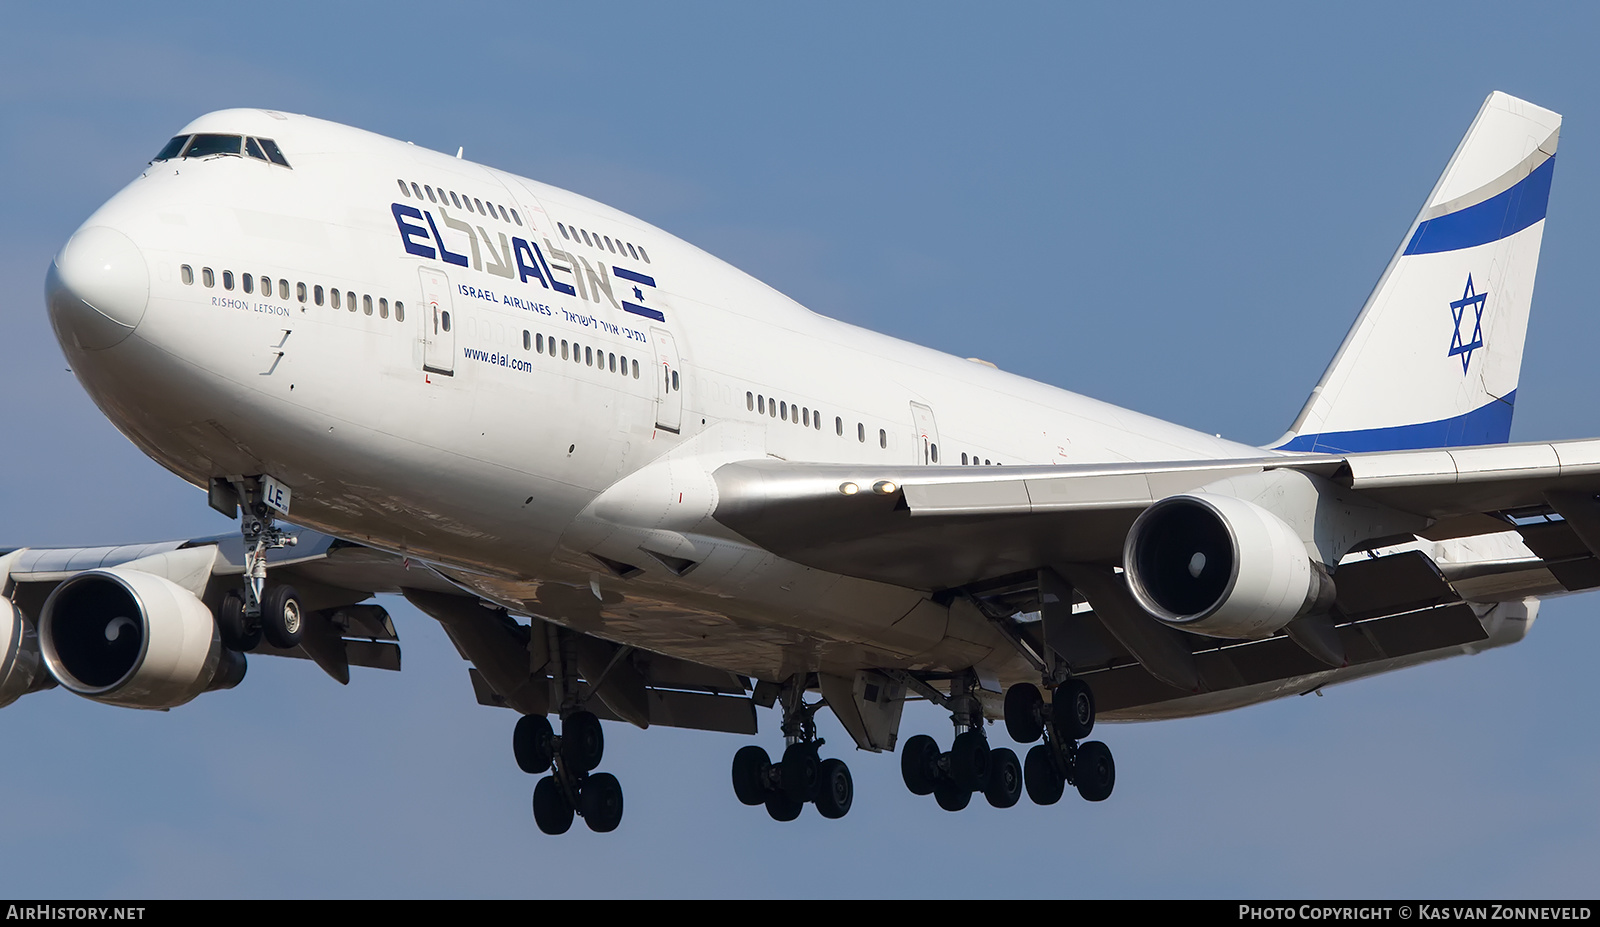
[
  {"x": 257, "y": 610},
  {"x": 800, "y": 777},
  {"x": 573, "y": 788}
]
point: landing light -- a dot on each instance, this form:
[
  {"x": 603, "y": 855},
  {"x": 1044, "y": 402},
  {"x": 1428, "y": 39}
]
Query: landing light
[
  {"x": 884, "y": 487},
  {"x": 849, "y": 489}
]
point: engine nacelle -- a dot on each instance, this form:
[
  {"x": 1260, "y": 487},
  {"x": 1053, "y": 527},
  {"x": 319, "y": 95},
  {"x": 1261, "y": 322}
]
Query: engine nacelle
[
  {"x": 1220, "y": 566},
  {"x": 135, "y": 639},
  {"x": 21, "y": 667}
]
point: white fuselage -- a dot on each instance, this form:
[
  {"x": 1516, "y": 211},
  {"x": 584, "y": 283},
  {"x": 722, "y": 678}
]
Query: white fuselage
[{"x": 476, "y": 451}]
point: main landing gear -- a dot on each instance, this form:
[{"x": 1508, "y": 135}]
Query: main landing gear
[
  {"x": 573, "y": 788},
  {"x": 800, "y": 777},
  {"x": 952, "y": 777},
  {"x": 1059, "y": 759},
  {"x": 256, "y": 610}
]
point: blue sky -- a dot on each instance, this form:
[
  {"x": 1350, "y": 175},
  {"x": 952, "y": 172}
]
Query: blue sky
[{"x": 1176, "y": 208}]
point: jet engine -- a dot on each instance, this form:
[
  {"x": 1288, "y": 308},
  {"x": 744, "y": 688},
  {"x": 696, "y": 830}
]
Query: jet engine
[
  {"x": 1223, "y": 567},
  {"x": 131, "y": 638},
  {"x": 21, "y": 669}
]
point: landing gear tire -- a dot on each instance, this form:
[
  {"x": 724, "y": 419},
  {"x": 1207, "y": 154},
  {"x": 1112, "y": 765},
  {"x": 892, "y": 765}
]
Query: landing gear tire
[
  {"x": 919, "y": 764},
  {"x": 1093, "y": 771},
  {"x": 583, "y": 744},
  {"x": 969, "y": 760},
  {"x": 1073, "y": 709},
  {"x": 282, "y": 618},
  {"x": 750, "y": 766},
  {"x": 234, "y": 628},
  {"x": 801, "y": 772},
  {"x": 952, "y": 797},
  {"x": 1024, "y": 713},
  {"x": 532, "y": 742},
  {"x": 551, "y": 810},
  {"x": 1044, "y": 782},
  {"x": 837, "y": 792},
  {"x": 1005, "y": 779},
  {"x": 782, "y": 808},
  {"x": 601, "y": 799}
]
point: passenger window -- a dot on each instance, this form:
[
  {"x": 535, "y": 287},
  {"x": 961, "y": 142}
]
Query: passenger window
[
  {"x": 383, "y": 308},
  {"x": 805, "y": 416},
  {"x": 227, "y": 280},
  {"x": 611, "y": 360},
  {"x": 300, "y": 291},
  {"x": 636, "y": 370},
  {"x": 316, "y": 294},
  {"x": 816, "y": 421},
  {"x": 416, "y": 189},
  {"x": 350, "y": 300},
  {"x": 207, "y": 277},
  {"x": 266, "y": 285},
  {"x": 564, "y": 349},
  {"x": 399, "y": 311},
  {"x": 333, "y": 298},
  {"x": 539, "y": 343},
  {"x": 632, "y": 253},
  {"x": 516, "y": 218},
  {"x": 444, "y": 320},
  {"x": 933, "y": 451},
  {"x": 861, "y": 433},
  {"x": 883, "y": 438},
  {"x": 478, "y": 203},
  {"x": 586, "y": 237},
  {"x": 588, "y": 357},
  {"x": 430, "y": 193},
  {"x": 563, "y": 231},
  {"x": 366, "y": 303},
  {"x": 455, "y": 199},
  {"x": 624, "y": 362},
  {"x": 986, "y": 462},
  {"x": 783, "y": 411},
  {"x": 761, "y": 404},
  {"x": 643, "y": 254},
  {"x": 283, "y": 289},
  {"x": 527, "y": 340},
  {"x": 838, "y": 426},
  {"x": 612, "y": 248},
  {"x": 750, "y": 401},
  {"x": 674, "y": 381},
  {"x": 246, "y": 284},
  {"x": 404, "y": 190},
  {"x": 187, "y": 273}
]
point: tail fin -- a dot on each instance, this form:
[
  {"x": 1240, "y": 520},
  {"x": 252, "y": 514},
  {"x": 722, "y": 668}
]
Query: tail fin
[{"x": 1434, "y": 356}]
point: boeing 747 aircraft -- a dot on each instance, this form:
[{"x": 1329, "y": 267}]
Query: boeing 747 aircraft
[{"x": 634, "y": 484}]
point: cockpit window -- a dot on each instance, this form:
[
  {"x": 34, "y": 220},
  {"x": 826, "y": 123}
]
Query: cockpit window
[
  {"x": 206, "y": 145},
  {"x": 274, "y": 154},
  {"x": 172, "y": 148}
]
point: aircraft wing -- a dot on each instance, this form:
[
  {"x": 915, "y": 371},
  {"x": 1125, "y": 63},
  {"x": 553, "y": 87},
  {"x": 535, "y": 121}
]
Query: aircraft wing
[
  {"x": 1526, "y": 516},
  {"x": 936, "y": 528},
  {"x": 335, "y": 578}
]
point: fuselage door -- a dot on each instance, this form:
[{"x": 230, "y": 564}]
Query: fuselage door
[
  {"x": 927, "y": 434},
  {"x": 438, "y": 323},
  {"x": 669, "y": 382}
]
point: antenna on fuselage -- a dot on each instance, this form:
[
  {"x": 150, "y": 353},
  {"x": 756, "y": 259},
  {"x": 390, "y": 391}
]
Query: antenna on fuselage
[{"x": 460, "y": 151}]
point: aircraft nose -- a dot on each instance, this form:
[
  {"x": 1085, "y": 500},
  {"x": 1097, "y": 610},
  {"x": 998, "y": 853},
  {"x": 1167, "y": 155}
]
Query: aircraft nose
[{"x": 97, "y": 288}]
